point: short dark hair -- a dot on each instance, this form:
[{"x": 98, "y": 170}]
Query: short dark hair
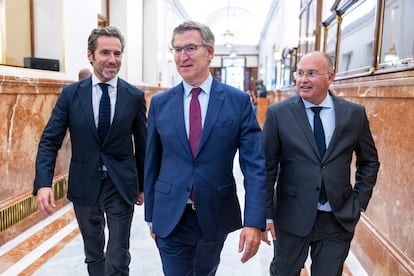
[{"x": 104, "y": 31}]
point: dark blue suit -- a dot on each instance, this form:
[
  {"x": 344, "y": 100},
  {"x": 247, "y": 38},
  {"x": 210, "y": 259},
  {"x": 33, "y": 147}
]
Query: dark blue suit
[
  {"x": 73, "y": 111},
  {"x": 122, "y": 152},
  {"x": 171, "y": 170}
]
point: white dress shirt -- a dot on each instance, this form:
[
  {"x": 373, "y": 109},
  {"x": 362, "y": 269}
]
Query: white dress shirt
[
  {"x": 97, "y": 94},
  {"x": 327, "y": 115}
]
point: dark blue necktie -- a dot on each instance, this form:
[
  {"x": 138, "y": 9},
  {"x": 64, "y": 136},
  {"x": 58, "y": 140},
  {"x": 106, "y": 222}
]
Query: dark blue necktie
[
  {"x": 104, "y": 121},
  {"x": 319, "y": 134}
]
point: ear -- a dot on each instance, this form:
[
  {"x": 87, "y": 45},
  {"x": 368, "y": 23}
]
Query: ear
[
  {"x": 331, "y": 76},
  {"x": 90, "y": 56},
  {"x": 210, "y": 50}
]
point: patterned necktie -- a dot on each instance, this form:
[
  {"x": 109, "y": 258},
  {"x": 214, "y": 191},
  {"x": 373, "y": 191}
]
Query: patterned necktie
[
  {"x": 104, "y": 121},
  {"x": 319, "y": 134},
  {"x": 195, "y": 127},
  {"x": 195, "y": 121}
]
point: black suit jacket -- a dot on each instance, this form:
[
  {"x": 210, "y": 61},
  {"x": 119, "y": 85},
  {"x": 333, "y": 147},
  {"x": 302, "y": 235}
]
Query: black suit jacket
[
  {"x": 292, "y": 160},
  {"x": 122, "y": 151}
]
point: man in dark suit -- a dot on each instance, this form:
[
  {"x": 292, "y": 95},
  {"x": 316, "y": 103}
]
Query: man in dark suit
[
  {"x": 314, "y": 204},
  {"x": 191, "y": 198},
  {"x": 108, "y": 149}
]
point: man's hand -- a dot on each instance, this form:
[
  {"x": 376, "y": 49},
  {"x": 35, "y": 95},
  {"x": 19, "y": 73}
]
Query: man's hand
[
  {"x": 140, "y": 199},
  {"x": 270, "y": 227},
  {"x": 45, "y": 200},
  {"x": 152, "y": 234},
  {"x": 249, "y": 242}
]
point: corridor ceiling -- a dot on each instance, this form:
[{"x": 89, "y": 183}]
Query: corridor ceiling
[{"x": 244, "y": 18}]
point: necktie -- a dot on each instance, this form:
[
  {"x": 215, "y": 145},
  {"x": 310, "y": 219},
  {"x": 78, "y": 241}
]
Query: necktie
[
  {"x": 319, "y": 134},
  {"x": 195, "y": 127},
  {"x": 195, "y": 121},
  {"x": 104, "y": 121}
]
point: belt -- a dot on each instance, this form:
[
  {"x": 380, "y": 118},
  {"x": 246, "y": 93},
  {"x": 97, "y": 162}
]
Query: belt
[
  {"x": 190, "y": 207},
  {"x": 324, "y": 212}
]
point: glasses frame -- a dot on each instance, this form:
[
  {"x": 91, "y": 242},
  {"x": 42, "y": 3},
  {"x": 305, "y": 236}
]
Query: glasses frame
[
  {"x": 188, "y": 49},
  {"x": 313, "y": 74}
]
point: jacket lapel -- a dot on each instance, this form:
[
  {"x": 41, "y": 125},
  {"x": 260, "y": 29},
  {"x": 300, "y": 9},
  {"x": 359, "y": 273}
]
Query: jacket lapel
[
  {"x": 177, "y": 115},
  {"x": 122, "y": 102},
  {"x": 340, "y": 113},
  {"x": 215, "y": 105},
  {"x": 85, "y": 101},
  {"x": 299, "y": 112}
]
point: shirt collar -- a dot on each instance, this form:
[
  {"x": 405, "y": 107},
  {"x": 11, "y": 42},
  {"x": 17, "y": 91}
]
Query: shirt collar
[
  {"x": 112, "y": 82},
  {"x": 205, "y": 86},
  {"x": 326, "y": 103}
]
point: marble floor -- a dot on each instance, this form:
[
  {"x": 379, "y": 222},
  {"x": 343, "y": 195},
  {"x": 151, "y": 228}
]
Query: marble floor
[{"x": 54, "y": 247}]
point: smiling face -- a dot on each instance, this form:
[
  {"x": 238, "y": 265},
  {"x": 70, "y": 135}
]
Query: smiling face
[
  {"x": 314, "y": 89},
  {"x": 193, "y": 68},
  {"x": 107, "y": 57}
]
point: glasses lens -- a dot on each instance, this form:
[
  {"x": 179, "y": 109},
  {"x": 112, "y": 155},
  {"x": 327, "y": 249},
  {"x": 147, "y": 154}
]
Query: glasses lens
[
  {"x": 313, "y": 74},
  {"x": 190, "y": 49}
]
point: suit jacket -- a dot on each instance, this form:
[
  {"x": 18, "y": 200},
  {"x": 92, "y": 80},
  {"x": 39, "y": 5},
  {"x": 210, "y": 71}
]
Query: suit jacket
[
  {"x": 171, "y": 170},
  {"x": 293, "y": 161},
  {"x": 122, "y": 151}
]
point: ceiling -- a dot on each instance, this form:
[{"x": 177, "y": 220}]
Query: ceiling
[{"x": 244, "y": 18}]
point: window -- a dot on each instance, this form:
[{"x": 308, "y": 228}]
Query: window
[
  {"x": 366, "y": 36},
  {"x": 233, "y": 72},
  {"x": 397, "y": 45},
  {"x": 288, "y": 66},
  {"x": 356, "y": 36}
]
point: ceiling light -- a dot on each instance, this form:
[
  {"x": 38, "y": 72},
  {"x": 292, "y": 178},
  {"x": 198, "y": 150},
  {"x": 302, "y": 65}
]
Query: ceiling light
[
  {"x": 228, "y": 35},
  {"x": 228, "y": 38},
  {"x": 391, "y": 56}
]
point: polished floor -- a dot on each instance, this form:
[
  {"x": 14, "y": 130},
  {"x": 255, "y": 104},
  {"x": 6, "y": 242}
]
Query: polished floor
[{"x": 54, "y": 247}]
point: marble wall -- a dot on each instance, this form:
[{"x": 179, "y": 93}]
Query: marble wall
[
  {"x": 383, "y": 241},
  {"x": 25, "y": 106}
]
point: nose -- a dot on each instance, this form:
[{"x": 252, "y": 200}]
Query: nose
[
  {"x": 181, "y": 55},
  {"x": 305, "y": 76},
  {"x": 112, "y": 58}
]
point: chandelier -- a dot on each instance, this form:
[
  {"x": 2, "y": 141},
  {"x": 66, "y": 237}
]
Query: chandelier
[
  {"x": 228, "y": 38},
  {"x": 228, "y": 35}
]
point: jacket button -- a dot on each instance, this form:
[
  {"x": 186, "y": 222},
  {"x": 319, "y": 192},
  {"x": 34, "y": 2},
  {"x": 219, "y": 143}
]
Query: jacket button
[{"x": 188, "y": 189}]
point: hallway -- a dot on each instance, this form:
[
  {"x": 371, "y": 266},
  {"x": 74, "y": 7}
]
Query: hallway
[{"x": 54, "y": 247}]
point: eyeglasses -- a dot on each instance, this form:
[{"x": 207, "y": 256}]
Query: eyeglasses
[
  {"x": 188, "y": 50},
  {"x": 310, "y": 74}
]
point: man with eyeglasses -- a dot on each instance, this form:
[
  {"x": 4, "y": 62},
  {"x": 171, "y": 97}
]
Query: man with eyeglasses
[
  {"x": 194, "y": 132},
  {"x": 309, "y": 143}
]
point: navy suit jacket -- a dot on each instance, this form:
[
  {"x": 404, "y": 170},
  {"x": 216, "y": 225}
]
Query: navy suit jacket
[
  {"x": 171, "y": 170},
  {"x": 122, "y": 151},
  {"x": 293, "y": 161}
]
